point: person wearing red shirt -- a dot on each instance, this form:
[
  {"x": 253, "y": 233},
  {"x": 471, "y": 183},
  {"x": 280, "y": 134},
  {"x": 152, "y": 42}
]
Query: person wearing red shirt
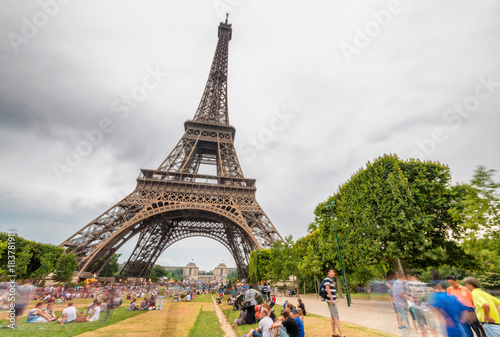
[{"x": 464, "y": 295}]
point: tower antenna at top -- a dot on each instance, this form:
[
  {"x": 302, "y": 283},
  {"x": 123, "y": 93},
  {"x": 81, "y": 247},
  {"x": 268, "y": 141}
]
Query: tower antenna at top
[{"x": 227, "y": 15}]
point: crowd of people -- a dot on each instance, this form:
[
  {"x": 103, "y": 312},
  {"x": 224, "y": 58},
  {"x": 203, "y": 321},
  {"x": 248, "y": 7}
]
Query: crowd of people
[
  {"x": 465, "y": 310},
  {"x": 105, "y": 298},
  {"x": 257, "y": 306}
]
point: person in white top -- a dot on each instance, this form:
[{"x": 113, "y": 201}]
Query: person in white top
[
  {"x": 68, "y": 314},
  {"x": 94, "y": 316},
  {"x": 264, "y": 329}
]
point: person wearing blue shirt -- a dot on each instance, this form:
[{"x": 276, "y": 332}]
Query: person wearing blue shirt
[
  {"x": 450, "y": 308},
  {"x": 295, "y": 315}
]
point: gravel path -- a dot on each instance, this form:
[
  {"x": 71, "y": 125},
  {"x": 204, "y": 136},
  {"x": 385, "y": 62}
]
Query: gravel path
[
  {"x": 224, "y": 324},
  {"x": 378, "y": 315}
]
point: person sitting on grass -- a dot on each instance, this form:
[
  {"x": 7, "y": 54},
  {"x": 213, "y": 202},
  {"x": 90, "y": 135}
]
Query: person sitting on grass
[
  {"x": 94, "y": 315},
  {"x": 295, "y": 315},
  {"x": 145, "y": 304},
  {"x": 242, "y": 319},
  {"x": 37, "y": 315},
  {"x": 301, "y": 306},
  {"x": 49, "y": 310},
  {"x": 264, "y": 329},
  {"x": 301, "y": 314},
  {"x": 132, "y": 306},
  {"x": 269, "y": 310},
  {"x": 286, "y": 325},
  {"x": 91, "y": 307},
  {"x": 68, "y": 314},
  {"x": 152, "y": 303}
]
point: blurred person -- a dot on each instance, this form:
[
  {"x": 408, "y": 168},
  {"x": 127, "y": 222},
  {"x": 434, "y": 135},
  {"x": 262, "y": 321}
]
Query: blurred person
[
  {"x": 391, "y": 278},
  {"x": 415, "y": 291},
  {"x": 400, "y": 303},
  {"x": 23, "y": 296},
  {"x": 464, "y": 295},
  {"x": 487, "y": 308},
  {"x": 450, "y": 309},
  {"x": 159, "y": 301}
]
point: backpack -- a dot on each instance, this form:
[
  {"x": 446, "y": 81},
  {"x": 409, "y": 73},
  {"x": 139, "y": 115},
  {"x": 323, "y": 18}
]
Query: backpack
[{"x": 322, "y": 290}]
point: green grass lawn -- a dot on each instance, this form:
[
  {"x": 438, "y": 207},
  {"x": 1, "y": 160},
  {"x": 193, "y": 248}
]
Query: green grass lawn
[
  {"x": 54, "y": 330},
  {"x": 373, "y": 296},
  {"x": 205, "y": 298},
  {"x": 206, "y": 325}
]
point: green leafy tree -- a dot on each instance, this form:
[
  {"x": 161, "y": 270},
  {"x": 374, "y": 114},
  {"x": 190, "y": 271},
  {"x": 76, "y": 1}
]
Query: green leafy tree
[
  {"x": 111, "y": 268},
  {"x": 157, "y": 272},
  {"x": 478, "y": 210},
  {"x": 3, "y": 247},
  {"x": 23, "y": 258},
  {"x": 393, "y": 211},
  {"x": 65, "y": 268},
  {"x": 259, "y": 265}
]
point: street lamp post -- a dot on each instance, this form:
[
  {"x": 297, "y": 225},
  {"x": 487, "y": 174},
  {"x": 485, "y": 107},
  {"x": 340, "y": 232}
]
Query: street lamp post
[
  {"x": 258, "y": 267},
  {"x": 340, "y": 257}
]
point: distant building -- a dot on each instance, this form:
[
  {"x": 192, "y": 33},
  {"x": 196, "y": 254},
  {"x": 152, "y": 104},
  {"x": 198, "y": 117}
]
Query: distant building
[
  {"x": 191, "y": 273},
  {"x": 221, "y": 272}
]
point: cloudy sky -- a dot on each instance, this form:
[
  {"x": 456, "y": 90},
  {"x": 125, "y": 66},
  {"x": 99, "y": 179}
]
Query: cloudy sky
[{"x": 316, "y": 89}]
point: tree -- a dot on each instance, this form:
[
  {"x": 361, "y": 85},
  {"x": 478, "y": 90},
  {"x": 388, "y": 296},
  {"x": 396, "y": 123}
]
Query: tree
[
  {"x": 393, "y": 211},
  {"x": 157, "y": 272},
  {"x": 32, "y": 259},
  {"x": 111, "y": 268},
  {"x": 65, "y": 268},
  {"x": 259, "y": 265},
  {"x": 478, "y": 211},
  {"x": 233, "y": 276}
]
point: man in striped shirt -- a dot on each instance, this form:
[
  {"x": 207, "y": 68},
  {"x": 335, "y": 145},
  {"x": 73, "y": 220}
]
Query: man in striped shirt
[{"x": 331, "y": 297}]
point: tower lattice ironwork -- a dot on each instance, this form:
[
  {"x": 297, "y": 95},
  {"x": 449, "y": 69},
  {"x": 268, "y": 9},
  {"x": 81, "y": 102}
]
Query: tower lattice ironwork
[{"x": 175, "y": 202}]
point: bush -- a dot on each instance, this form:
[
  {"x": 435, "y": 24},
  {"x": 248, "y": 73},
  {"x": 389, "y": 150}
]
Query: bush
[{"x": 489, "y": 279}]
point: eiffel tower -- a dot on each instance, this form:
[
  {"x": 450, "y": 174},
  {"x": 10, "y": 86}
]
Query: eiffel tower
[{"x": 175, "y": 202}]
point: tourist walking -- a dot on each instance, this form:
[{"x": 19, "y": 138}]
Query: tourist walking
[{"x": 400, "y": 303}]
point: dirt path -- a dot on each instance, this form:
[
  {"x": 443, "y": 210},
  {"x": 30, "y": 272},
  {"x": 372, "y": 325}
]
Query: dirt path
[
  {"x": 377, "y": 315},
  {"x": 224, "y": 324}
]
